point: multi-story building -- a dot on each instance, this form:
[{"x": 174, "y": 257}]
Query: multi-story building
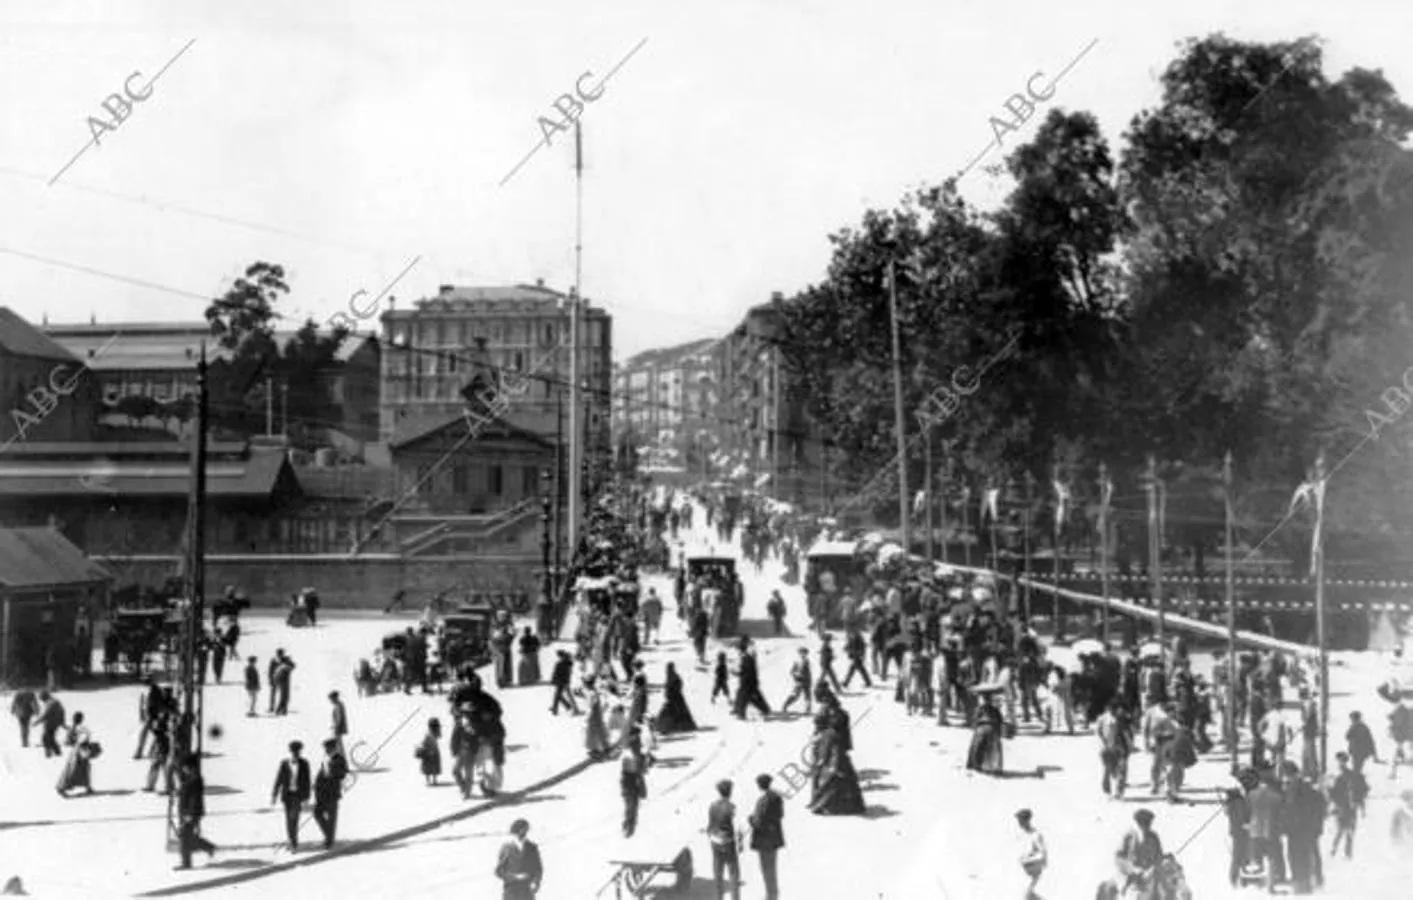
[
  {"x": 158, "y": 360},
  {"x": 431, "y": 352},
  {"x": 666, "y": 402},
  {"x": 45, "y": 393},
  {"x": 768, "y": 430}
]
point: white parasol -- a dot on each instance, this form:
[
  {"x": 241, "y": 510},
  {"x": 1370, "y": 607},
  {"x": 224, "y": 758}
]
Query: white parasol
[
  {"x": 981, "y": 594},
  {"x": 942, "y": 570},
  {"x": 889, "y": 552},
  {"x": 956, "y": 593},
  {"x": 1065, "y": 658},
  {"x": 1087, "y": 646},
  {"x": 1151, "y": 650}
]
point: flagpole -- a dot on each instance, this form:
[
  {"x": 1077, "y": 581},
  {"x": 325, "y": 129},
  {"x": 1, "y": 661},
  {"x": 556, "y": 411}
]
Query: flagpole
[
  {"x": 1319, "y": 563},
  {"x": 966, "y": 523},
  {"x": 1104, "y": 549},
  {"x": 1231, "y": 724}
]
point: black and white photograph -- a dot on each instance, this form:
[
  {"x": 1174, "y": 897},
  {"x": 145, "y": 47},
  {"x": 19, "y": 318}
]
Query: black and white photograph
[{"x": 751, "y": 450}]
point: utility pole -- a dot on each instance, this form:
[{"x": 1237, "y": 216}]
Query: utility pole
[
  {"x": 927, "y": 493},
  {"x": 284, "y": 408},
  {"x": 1231, "y": 732},
  {"x": 1320, "y": 637},
  {"x": 899, "y": 421},
  {"x": 1104, "y": 496},
  {"x": 1155, "y": 548},
  {"x": 558, "y": 489},
  {"x": 269, "y": 407},
  {"x": 575, "y": 412}
]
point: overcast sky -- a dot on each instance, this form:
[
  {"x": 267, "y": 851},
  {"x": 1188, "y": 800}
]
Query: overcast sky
[{"x": 356, "y": 136}]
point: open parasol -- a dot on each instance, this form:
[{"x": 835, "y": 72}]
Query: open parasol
[
  {"x": 1087, "y": 647},
  {"x": 1151, "y": 650}
]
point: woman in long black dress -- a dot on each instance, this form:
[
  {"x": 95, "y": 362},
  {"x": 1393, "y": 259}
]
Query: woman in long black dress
[
  {"x": 529, "y": 668},
  {"x": 833, "y": 779},
  {"x": 985, "y": 752},
  {"x": 674, "y": 717}
]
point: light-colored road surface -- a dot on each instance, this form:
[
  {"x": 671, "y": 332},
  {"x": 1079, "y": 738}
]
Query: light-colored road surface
[{"x": 932, "y": 829}]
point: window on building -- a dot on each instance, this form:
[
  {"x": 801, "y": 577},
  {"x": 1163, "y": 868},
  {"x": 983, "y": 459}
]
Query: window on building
[
  {"x": 549, "y": 335},
  {"x": 460, "y": 482},
  {"x": 424, "y": 483},
  {"x": 519, "y": 361},
  {"x": 451, "y": 363},
  {"x": 529, "y": 481},
  {"x": 495, "y": 486}
]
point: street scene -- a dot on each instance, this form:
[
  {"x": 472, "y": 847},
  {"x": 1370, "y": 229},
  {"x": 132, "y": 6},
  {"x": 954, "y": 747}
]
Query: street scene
[{"x": 705, "y": 451}]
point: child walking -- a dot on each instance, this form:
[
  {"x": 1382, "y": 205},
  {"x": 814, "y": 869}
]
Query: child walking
[
  {"x": 723, "y": 679},
  {"x": 430, "y": 754}
]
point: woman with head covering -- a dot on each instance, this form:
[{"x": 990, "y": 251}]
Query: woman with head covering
[
  {"x": 430, "y": 754},
  {"x": 985, "y": 754},
  {"x": 529, "y": 668},
  {"x": 78, "y": 768},
  {"x": 674, "y": 717},
  {"x": 595, "y": 731},
  {"x": 834, "y": 781}
]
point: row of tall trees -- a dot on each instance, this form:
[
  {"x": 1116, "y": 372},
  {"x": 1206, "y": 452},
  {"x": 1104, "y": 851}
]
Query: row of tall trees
[
  {"x": 244, "y": 322},
  {"x": 1234, "y": 278}
]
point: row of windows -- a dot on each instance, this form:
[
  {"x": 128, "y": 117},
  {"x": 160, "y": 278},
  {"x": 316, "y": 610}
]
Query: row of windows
[
  {"x": 467, "y": 333},
  {"x": 473, "y": 479}
]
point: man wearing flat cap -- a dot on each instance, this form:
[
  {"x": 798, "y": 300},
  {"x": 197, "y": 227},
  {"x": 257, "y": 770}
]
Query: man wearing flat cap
[
  {"x": 292, "y": 789},
  {"x": 518, "y": 867},
  {"x": 1140, "y": 852}
]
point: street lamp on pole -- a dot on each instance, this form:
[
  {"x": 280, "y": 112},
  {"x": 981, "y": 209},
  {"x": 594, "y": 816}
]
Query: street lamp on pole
[{"x": 546, "y": 505}]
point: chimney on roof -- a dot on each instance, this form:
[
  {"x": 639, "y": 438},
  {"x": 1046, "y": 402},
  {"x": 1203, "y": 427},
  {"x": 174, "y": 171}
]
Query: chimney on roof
[
  {"x": 445, "y": 290},
  {"x": 776, "y": 297},
  {"x": 539, "y": 282},
  {"x": 92, "y": 319},
  {"x": 392, "y": 303}
]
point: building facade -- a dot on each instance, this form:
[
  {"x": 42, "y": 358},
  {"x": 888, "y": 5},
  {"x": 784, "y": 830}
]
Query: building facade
[
  {"x": 768, "y": 432},
  {"x": 431, "y": 352},
  {"x": 47, "y": 396},
  {"x": 666, "y": 402},
  {"x": 158, "y": 360}
]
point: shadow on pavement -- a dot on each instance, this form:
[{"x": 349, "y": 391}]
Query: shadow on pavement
[
  {"x": 672, "y": 762},
  {"x": 879, "y": 811}
]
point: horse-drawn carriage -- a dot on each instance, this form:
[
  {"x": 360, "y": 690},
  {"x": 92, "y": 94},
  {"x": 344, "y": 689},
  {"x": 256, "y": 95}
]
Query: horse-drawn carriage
[
  {"x": 138, "y": 633},
  {"x": 718, "y": 574},
  {"x": 466, "y": 636}
]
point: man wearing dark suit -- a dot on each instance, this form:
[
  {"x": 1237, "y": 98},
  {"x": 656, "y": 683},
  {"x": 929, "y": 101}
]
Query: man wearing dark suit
[
  {"x": 191, "y": 808},
  {"x": 768, "y": 833},
  {"x": 748, "y": 684},
  {"x": 519, "y": 867},
  {"x": 328, "y": 790},
  {"x": 292, "y": 790}
]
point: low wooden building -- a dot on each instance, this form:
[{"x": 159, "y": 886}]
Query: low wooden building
[{"x": 49, "y": 594}]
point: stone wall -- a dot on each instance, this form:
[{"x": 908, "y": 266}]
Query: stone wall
[{"x": 364, "y": 582}]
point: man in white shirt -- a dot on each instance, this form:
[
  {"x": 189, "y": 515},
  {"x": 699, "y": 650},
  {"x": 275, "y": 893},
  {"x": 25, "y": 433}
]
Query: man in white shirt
[{"x": 1033, "y": 857}]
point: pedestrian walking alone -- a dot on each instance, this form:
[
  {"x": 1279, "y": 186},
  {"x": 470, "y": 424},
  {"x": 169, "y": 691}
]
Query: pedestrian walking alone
[
  {"x": 768, "y": 834},
  {"x": 519, "y": 866},
  {"x": 292, "y": 789},
  {"x": 1033, "y": 856},
  {"x": 338, "y": 721},
  {"x": 252, "y": 685},
  {"x": 191, "y": 809},
  {"x": 725, "y": 843},
  {"x": 632, "y": 780},
  {"x": 328, "y": 790},
  {"x": 721, "y": 685}
]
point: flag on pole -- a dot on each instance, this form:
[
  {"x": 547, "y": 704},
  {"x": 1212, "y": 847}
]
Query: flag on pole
[
  {"x": 578, "y": 148},
  {"x": 918, "y": 500},
  {"x": 1106, "y": 491},
  {"x": 993, "y": 495},
  {"x": 1312, "y": 493}
]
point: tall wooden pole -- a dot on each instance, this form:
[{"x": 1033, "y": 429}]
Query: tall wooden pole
[
  {"x": 928, "y": 480},
  {"x": 899, "y": 421},
  {"x": 1320, "y": 637},
  {"x": 1231, "y": 614},
  {"x": 1025, "y": 542},
  {"x": 1155, "y": 550},
  {"x": 1104, "y": 496},
  {"x": 575, "y": 412}
]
